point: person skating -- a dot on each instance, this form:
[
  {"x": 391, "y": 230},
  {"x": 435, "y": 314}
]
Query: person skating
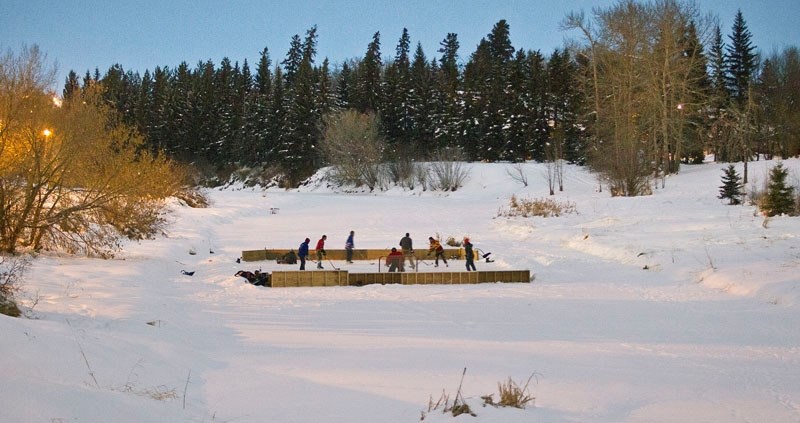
[
  {"x": 438, "y": 251},
  {"x": 302, "y": 253},
  {"x": 407, "y": 246},
  {"x": 348, "y": 247},
  {"x": 321, "y": 251},
  {"x": 469, "y": 255}
]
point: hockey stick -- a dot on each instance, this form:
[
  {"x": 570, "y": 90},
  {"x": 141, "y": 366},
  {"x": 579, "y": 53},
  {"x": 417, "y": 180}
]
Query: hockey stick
[{"x": 332, "y": 265}]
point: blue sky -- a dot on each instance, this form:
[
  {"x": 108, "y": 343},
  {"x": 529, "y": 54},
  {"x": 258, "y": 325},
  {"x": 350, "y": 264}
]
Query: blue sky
[{"x": 81, "y": 35}]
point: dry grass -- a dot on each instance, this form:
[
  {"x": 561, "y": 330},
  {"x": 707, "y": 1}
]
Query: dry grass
[
  {"x": 543, "y": 207},
  {"x": 511, "y": 394}
]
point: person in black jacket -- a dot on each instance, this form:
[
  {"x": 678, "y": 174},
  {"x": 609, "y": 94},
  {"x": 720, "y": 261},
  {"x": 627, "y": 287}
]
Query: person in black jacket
[
  {"x": 407, "y": 245},
  {"x": 469, "y": 255}
]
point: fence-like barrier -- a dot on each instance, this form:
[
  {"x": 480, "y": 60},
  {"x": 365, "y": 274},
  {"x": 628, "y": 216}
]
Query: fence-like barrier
[{"x": 298, "y": 278}]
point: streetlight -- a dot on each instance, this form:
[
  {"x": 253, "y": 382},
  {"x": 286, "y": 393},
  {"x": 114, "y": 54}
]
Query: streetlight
[{"x": 46, "y": 132}]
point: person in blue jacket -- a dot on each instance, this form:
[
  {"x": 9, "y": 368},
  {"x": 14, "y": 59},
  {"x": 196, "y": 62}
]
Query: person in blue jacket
[
  {"x": 302, "y": 253},
  {"x": 348, "y": 246}
]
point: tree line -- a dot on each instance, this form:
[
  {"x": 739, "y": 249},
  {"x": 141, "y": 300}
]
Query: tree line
[
  {"x": 646, "y": 86},
  {"x": 501, "y": 105}
]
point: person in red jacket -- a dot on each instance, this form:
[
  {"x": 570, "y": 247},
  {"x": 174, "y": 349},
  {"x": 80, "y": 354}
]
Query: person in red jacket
[
  {"x": 321, "y": 251},
  {"x": 395, "y": 260}
]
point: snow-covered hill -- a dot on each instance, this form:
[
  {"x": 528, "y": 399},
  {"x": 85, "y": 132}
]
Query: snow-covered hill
[{"x": 671, "y": 307}]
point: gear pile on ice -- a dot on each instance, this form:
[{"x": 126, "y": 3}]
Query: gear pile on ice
[{"x": 256, "y": 278}]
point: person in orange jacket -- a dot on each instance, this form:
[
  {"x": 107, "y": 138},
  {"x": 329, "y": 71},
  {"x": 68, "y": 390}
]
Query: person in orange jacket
[{"x": 438, "y": 251}]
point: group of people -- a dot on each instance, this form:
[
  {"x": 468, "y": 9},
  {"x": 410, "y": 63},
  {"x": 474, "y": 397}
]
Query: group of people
[{"x": 395, "y": 260}]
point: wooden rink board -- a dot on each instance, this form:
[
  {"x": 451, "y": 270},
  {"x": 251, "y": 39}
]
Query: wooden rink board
[
  {"x": 310, "y": 278},
  {"x": 358, "y": 254}
]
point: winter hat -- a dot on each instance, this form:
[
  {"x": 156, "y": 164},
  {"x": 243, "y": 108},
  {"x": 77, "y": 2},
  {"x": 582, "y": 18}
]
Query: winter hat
[{"x": 308, "y": 240}]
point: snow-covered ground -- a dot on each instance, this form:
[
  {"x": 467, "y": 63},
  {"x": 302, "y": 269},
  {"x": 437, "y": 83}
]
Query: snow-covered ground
[{"x": 669, "y": 308}]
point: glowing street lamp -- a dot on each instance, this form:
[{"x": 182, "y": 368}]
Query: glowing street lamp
[{"x": 47, "y": 133}]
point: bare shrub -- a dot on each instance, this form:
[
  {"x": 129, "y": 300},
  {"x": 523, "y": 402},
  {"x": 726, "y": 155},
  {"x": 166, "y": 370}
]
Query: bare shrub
[
  {"x": 517, "y": 173},
  {"x": 421, "y": 175},
  {"x": 457, "y": 408},
  {"x": 543, "y": 207},
  {"x": 353, "y": 145},
  {"x": 11, "y": 271},
  {"x": 448, "y": 170}
]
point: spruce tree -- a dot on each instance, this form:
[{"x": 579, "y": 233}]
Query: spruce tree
[
  {"x": 344, "y": 87},
  {"x": 780, "y": 195},
  {"x": 422, "y": 103},
  {"x": 180, "y": 111},
  {"x": 394, "y": 112},
  {"x": 72, "y": 86},
  {"x": 731, "y": 187},
  {"x": 741, "y": 60},
  {"x": 291, "y": 64},
  {"x": 450, "y": 105},
  {"x": 369, "y": 87}
]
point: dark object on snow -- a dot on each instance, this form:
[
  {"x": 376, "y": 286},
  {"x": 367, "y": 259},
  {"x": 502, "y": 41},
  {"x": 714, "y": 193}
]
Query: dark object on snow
[
  {"x": 238, "y": 259},
  {"x": 486, "y": 256},
  {"x": 288, "y": 258},
  {"x": 210, "y": 251},
  {"x": 187, "y": 273},
  {"x": 256, "y": 278}
]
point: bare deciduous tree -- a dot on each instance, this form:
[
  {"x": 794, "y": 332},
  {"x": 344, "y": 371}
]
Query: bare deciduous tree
[
  {"x": 644, "y": 60},
  {"x": 353, "y": 145},
  {"x": 72, "y": 177}
]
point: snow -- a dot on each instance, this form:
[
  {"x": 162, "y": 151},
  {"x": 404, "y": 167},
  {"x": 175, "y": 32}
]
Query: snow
[{"x": 670, "y": 307}]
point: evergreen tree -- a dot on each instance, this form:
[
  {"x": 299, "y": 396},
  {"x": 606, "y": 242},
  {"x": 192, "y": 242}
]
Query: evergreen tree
[
  {"x": 731, "y": 187},
  {"x": 741, "y": 60},
  {"x": 326, "y": 99},
  {"x": 263, "y": 78},
  {"x": 181, "y": 113},
  {"x": 291, "y": 63},
  {"x": 225, "y": 95},
  {"x": 274, "y": 143},
  {"x": 448, "y": 64},
  {"x": 369, "y": 87},
  {"x": 144, "y": 103},
  {"x": 422, "y": 104},
  {"x": 300, "y": 158},
  {"x": 72, "y": 86},
  {"x": 477, "y": 73},
  {"x": 260, "y": 113},
  {"x": 158, "y": 111},
  {"x": 394, "y": 111},
  {"x": 564, "y": 105},
  {"x": 717, "y": 59},
  {"x": 344, "y": 87},
  {"x": 244, "y": 93},
  {"x": 206, "y": 114},
  {"x": 522, "y": 113},
  {"x": 500, "y": 94},
  {"x": 450, "y": 105},
  {"x": 780, "y": 195}
]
